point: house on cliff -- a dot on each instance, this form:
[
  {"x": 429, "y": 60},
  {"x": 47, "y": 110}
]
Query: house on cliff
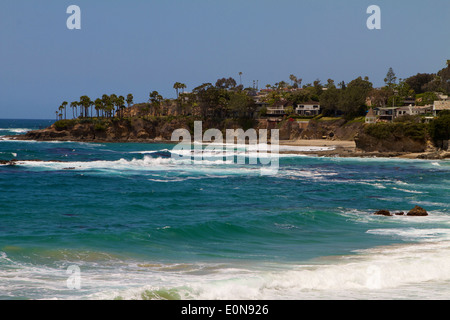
[
  {"x": 439, "y": 106},
  {"x": 311, "y": 108},
  {"x": 279, "y": 108},
  {"x": 371, "y": 117}
]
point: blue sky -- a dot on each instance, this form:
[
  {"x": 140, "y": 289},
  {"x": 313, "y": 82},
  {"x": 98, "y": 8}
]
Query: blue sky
[{"x": 138, "y": 46}]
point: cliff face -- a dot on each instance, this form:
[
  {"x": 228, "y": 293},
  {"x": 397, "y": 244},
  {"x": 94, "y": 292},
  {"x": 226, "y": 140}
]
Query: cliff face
[
  {"x": 333, "y": 129},
  {"x": 110, "y": 130},
  {"x": 394, "y": 137},
  {"x": 161, "y": 129},
  {"x": 375, "y": 138},
  {"x": 368, "y": 143},
  {"x": 127, "y": 130}
]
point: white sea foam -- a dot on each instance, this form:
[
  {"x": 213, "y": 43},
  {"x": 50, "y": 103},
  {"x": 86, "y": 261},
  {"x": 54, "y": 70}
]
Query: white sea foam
[
  {"x": 379, "y": 273},
  {"x": 300, "y": 174},
  {"x": 253, "y": 153},
  {"x": 410, "y": 271},
  {"x": 408, "y": 191},
  {"x": 146, "y": 165},
  {"x": 16, "y": 130},
  {"x": 414, "y": 234}
]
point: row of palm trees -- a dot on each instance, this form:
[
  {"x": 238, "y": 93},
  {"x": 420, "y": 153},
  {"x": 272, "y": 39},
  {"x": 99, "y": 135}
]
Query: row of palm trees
[{"x": 106, "y": 107}]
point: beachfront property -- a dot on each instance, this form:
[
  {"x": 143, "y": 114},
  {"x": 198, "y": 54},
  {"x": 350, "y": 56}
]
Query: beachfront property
[
  {"x": 278, "y": 108},
  {"x": 308, "y": 109},
  {"x": 414, "y": 111},
  {"x": 441, "y": 105},
  {"x": 371, "y": 117},
  {"x": 391, "y": 113}
]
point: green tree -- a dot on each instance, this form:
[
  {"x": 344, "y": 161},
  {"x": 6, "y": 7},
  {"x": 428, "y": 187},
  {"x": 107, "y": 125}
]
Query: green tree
[
  {"x": 318, "y": 88},
  {"x": 61, "y": 108},
  {"x": 86, "y": 102},
  {"x": 329, "y": 100},
  {"x": 390, "y": 79},
  {"x": 352, "y": 100},
  {"x": 182, "y": 87},
  {"x": 418, "y": 82},
  {"x": 177, "y": 86},
  {"x": 379, "y": 96},
  {"x": 293, "y": 80},
  {"x": 98, "y": 106},
  {"x": 440, "y": 129},
  {"x": 64, "y": 104},
  {"x": 225, "y": 83},
  {"x": 107, "y": 105},
  {"x": 402, "y": 90},
  {"x": 156, "y": 99},
  {"x": 74, "y": 105},
  {"x": 114, "y": 103},
  {"x": 240, "y": 105},
  {"x": 444, "y": 76},
  {"x": 120, "y": 105},
  {"x": 426, "y": 98},
  {"x": 130, "y": 99}
]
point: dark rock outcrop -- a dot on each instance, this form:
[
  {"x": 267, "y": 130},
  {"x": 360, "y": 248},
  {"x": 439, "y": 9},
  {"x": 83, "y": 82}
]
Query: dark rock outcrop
[
  {"x": 417, "y": 212},
  {"x": 333, "y": 129},
  {"x": 408, "y": 137},
  {"x": 368, "y": 143},
  {"x": 383, "y": 213}
]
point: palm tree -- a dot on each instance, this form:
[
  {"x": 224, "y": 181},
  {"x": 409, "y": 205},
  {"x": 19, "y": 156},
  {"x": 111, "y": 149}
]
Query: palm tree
[
  {"x": 74, "y": 105},
  {"x": 57, "y": 114},
  {"x": 293, "y": 79},
  {"x": 98, "y": 106},
  {"x": 240, "y": 78},
  {"x": 64, "y": 104},
  {"x": 129, "y": 99},
  {"x": 120, "y": 105},
  {"x": 182, "y": 87},
  {"x": 86, "y": 102},
  {"x": 113, "y": 100},
  {"x": 61, "y": 108},
  {"x": 177, "y": 86},
  {"x": 107, "y": 104}
]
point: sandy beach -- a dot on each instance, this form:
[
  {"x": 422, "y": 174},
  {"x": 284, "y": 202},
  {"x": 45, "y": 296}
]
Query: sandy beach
[{"x": 319, "y": 143}]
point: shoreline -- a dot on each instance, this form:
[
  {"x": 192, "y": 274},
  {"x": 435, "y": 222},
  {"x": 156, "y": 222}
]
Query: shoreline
[
  {"x": 347, "y": 149},
  {"x": 341, "y": 148}
]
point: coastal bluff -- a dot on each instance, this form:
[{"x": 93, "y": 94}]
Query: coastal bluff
[
  {"x": 388, "y": 140},
  {"x": 109, "y": 130},
  {"x": 161, "y": 129}
]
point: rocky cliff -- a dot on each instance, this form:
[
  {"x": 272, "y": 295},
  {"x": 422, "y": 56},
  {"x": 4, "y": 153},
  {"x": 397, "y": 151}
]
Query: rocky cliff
[
  {"x": 126, "y": 130},
  {"x": 379, "y": 139},
  {"x": 112, "y": 130},
  {"x": 393, "y": 137}
]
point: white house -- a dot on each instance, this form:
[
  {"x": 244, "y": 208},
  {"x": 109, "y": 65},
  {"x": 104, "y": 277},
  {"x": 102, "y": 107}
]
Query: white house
[
  {"x": 371, "y": 116},
  {"x": 413, "y": 110},
  {"x": 308, "y": 109}
]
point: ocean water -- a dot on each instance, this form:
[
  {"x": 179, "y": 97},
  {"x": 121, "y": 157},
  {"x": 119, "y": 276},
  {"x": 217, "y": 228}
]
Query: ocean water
[{"x": 125, "y": 221}]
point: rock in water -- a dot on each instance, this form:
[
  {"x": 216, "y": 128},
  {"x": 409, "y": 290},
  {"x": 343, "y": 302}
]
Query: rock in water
[
  {"x": 418, "y": 212},
  {"x": 383, "y": 213}
]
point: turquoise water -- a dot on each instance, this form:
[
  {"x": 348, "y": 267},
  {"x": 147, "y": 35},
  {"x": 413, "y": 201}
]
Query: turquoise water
[{"x": 140, "y": 225}]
